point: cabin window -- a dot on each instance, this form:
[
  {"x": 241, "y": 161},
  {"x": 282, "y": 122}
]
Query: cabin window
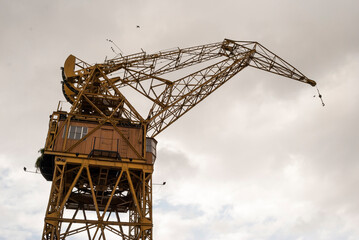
[{"x": 76, "y": 132}]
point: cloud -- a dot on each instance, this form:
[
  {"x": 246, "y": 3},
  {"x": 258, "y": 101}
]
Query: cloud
[
  {"x": 23, "y": 201},
  {"x": 258, "y": 159},
  {"x": 290, "y": 167}
]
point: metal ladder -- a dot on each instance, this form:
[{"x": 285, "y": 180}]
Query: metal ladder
[{"x": 101, "y": 186}]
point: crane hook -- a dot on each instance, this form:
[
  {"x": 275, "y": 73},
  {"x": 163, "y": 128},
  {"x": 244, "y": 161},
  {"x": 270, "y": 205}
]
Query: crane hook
[{"x": 320, "y": 96}]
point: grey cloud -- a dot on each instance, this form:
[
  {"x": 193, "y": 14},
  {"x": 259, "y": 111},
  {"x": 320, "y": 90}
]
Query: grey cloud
[{"x": 260, "y": 144}]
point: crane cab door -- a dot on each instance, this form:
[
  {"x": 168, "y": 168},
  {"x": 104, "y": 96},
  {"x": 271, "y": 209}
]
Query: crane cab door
[{"x": 106, "y": 140}]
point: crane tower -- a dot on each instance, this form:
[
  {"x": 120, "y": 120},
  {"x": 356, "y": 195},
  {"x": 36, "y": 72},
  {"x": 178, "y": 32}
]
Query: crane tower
[{"x": 100, "y": 155}]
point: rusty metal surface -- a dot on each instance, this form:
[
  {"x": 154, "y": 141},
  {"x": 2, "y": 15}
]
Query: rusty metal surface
[
  {"x": 101, "y": 189},
  {"x": 173, "y": 97}
]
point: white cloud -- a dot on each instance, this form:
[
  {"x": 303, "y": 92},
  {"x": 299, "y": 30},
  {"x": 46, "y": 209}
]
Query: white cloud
[
  {"x": 22, "y": 201},
  {"x": 259, "y": 159}
]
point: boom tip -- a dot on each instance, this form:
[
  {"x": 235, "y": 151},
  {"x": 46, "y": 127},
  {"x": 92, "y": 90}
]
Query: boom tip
[{"x": 311, "y": 82}]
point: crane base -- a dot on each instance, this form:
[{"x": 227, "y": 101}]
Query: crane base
[{"x": 97, "y": 199}]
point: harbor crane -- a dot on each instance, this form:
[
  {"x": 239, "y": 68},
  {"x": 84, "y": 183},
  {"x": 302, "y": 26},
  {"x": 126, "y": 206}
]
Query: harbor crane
[{"x": 100, "y": 154}]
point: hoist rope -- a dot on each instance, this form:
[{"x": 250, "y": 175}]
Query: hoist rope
[{"x": 320, "y": 96}]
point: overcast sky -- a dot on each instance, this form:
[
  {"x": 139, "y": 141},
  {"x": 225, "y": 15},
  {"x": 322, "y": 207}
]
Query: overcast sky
[{"x": 258, "y": 159}]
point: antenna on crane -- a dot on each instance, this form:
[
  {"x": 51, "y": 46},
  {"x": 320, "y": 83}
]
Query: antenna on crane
[
  {"x": 28, "y": 171},
  {"x": 113, "y": 50},
  {"x": 161, "y": 184}
]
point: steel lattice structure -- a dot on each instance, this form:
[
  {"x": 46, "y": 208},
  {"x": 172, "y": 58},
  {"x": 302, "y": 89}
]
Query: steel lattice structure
[{"x": 100, "y": 154}]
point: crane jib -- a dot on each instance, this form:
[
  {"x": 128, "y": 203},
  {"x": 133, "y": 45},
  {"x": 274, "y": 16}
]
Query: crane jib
[{"x": 150, "y": 75}]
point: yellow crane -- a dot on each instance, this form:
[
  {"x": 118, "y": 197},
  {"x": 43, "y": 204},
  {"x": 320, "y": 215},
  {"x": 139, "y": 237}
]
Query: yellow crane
[{"x": 100, "y": 155}]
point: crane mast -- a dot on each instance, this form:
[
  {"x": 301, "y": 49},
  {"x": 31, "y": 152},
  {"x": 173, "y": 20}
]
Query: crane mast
[{"x": 100, "y": 155}]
